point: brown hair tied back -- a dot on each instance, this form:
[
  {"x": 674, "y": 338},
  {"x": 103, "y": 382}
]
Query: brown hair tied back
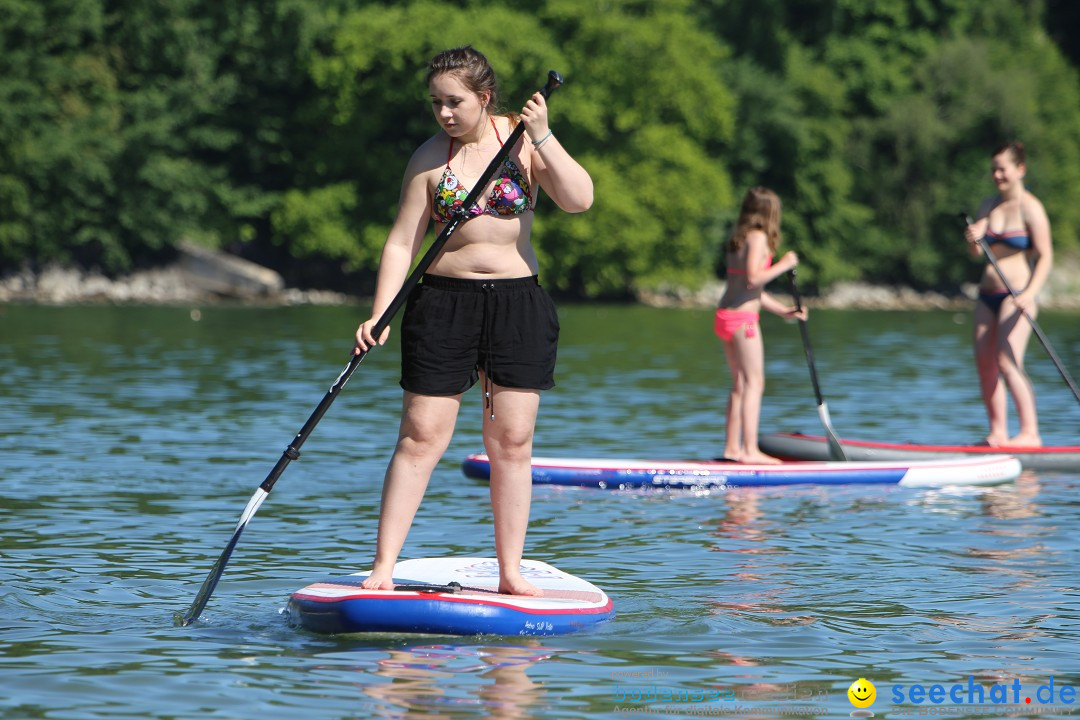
[
  {"x": 1015, "y": 148},
  {"x": 472, "y": 69}
]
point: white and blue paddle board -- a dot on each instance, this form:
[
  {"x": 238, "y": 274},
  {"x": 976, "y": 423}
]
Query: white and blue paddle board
[
  {"x": 452, "y": 596},
  {"x": 610, "y": 473}
]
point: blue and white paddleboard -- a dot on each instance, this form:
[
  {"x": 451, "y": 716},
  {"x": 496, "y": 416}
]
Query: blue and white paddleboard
[
  {"x": 452, "y": 596},
  {"x": 609, "y": 473}
]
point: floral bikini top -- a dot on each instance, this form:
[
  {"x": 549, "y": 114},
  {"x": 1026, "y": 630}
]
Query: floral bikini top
[{"x": 510, "y": 196}]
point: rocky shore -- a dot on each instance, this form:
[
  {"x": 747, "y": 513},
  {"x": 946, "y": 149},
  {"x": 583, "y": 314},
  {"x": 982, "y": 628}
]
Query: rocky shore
[
  {"x": 864, "y": 296},
  {"x": 199, "y": 276},
  {"x": 203, "y": 276}
]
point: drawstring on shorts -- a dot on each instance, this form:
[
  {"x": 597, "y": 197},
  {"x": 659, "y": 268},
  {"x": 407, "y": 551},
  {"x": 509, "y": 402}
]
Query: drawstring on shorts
[{"x": 488, "y": 399}]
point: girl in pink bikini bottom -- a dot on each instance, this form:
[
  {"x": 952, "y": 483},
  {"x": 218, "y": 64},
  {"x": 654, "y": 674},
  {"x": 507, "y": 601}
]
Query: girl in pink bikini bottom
[{"x": 728, "y": 322}]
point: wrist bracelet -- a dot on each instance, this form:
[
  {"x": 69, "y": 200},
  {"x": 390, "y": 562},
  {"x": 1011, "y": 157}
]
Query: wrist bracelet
[{"x": 538, "y": 143}]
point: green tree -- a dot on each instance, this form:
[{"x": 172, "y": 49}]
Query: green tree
[
  {"x": 280, "y": 128},
  {"x": 874, "y": 122},
  {"x": 59, "y": 113},
  {"x": 643, "y": 109},
  {"x": 129, "y": 125},
  {"x": 651, "y": 114}
]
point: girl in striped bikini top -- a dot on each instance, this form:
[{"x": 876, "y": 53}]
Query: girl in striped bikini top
[{"x": 1013, "y": 238}]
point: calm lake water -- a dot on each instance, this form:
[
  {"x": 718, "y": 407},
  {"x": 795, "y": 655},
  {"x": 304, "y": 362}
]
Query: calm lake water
[{"x": 132, "y": 437}]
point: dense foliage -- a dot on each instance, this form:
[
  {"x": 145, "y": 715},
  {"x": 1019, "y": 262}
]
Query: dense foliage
[{"x": 279, "y": 129}]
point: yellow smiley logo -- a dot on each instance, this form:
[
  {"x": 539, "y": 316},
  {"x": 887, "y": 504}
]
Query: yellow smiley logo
[{"x": 862, "y": 693}]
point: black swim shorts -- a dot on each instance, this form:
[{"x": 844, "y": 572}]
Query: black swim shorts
[{"x": 455, "y": 327}]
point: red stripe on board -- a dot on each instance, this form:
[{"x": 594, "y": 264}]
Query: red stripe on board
[{"x": 407, "y": 596}]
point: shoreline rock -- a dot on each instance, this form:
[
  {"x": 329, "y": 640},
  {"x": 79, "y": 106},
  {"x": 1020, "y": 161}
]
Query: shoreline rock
[
  {"x": 842, "y": 296},
  {"x": 202, "y": 276},
  {"x": 199, "y": 276},
  {"x": 1062, "y": 292}
]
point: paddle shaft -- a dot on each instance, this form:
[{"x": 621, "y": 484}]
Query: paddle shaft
[
  {"x": 985, "y": 246},
  {"x": 805, "y": 332},
  {"x": 835, "y": 449},
  {"x": 292, "y": 452}
]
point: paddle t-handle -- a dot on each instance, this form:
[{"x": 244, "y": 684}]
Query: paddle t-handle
[{"x": 554, "y": 82}]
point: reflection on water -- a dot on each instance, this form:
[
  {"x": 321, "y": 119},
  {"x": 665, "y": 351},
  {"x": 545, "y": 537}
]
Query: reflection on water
[
  {"x": 741, "y": 519},
  {"x": 132, "y": 437},
  {"x": 419, "y": 680},
  {"x": 1011, "y": 502}
]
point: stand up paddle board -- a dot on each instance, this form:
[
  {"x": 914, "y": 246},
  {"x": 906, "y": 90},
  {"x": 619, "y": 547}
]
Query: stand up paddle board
[
  {"x": 796, "y": 446},
  {"x": 621, "y": 474},
  {"x": 452, "y": 596}
]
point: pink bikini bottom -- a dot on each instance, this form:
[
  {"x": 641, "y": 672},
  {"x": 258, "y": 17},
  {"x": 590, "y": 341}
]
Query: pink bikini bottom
[{"x": 728, "y": 322}]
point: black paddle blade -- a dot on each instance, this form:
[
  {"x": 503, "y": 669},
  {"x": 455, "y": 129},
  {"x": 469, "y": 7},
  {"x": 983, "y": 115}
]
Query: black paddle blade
[
  {"x": 209, "y": 584},
  {"x": 218, "y": 570}
]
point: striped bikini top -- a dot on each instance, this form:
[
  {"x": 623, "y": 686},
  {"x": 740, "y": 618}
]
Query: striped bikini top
[
  {"x": 1013, "y": 238},
  {"x": 510, "y": 195},
  {"x": 1017, "y": 238}
]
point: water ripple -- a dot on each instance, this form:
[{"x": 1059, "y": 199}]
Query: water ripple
[{"x": 129, "y": 459}]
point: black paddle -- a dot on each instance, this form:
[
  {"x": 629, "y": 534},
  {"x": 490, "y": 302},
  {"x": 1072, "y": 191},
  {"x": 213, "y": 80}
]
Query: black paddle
[
  {"x": 836, "y": 452},
  {"x": 292, "y": 452},
  {"x": 1034, "y": 325}
]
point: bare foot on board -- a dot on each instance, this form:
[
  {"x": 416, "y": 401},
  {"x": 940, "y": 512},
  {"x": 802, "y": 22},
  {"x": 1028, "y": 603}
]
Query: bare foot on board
[
  {"x": 1025, "y": 440},
  {"x": 759, "y": 458},
  {"x": 379, "y": 580},
  {"x": 518, "y": 586}
]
